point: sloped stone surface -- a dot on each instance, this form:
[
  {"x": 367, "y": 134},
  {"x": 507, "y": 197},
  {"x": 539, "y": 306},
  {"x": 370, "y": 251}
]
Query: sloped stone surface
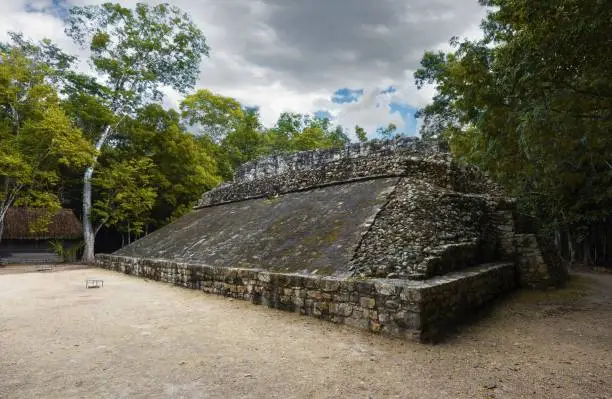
[{"x": 312, "y": 231}]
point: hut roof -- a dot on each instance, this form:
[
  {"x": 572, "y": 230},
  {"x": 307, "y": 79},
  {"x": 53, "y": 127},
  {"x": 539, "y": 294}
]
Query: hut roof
[{"x": 63, "y": 225}]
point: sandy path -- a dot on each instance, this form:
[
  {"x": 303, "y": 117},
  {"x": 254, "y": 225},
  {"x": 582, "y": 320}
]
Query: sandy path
[{"x": 143, "y": 339}]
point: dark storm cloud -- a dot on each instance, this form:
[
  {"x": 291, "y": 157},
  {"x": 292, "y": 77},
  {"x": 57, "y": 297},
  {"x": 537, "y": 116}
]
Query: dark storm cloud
[{"x": 355, "y": 39}]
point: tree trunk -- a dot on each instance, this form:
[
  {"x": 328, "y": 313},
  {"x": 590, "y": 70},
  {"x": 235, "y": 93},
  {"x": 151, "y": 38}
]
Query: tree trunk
[
  {"x": 604, "y": 239},
  {"x": 89, "y": 235},
  {"x": 1, "y": 226},
  {"x": 559, "y": 244},
  {"x": 586, "y": 255},
  {"x": 570, "y": 247},
  {"x": 4, "y": 204}
]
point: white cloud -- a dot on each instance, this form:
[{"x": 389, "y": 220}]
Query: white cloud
[{"x": 292, "y": 55}]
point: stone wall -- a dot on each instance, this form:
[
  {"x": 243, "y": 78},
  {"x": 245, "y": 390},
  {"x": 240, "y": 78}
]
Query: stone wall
[
  {"x": 424, "y": 231},
  {"x": 421, "y": 310},
  {"x": 306, "y": 170},
  {"x": 523, "y": 249},
  {"x": 308, "y": 160}
]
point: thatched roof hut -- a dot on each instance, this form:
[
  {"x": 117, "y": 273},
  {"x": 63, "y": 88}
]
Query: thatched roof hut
[
  {"x": 18, "y": 222},
  {"x": 23, "y": 241}
]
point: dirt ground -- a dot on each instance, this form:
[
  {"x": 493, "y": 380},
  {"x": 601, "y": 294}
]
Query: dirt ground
[{"x": 135, "y": 338}]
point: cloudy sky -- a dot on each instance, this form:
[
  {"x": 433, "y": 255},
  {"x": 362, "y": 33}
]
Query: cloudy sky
[{"x": 349, "y": 59}]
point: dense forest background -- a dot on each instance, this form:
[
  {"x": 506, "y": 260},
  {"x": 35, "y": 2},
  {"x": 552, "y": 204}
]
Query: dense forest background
[{"x": 530, "y": 103}]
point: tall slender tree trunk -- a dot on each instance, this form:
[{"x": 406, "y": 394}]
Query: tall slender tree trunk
[
  {"x": 1, "y": 226},
  {"x": 558, "y": 243},
  {"x": 570, "y": 247},
  {"x": 4, "y": 204},
  {"x": 89, "y": 234}
]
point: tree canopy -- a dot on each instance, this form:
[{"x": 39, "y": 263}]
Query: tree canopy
[
  {"x": 37, "y": 139},
  {"x": 101, "y": 140},
  {"x": 532, "y": 104},
  {"x": 134, "y": 52}
]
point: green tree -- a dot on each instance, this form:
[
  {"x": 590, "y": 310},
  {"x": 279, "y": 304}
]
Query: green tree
[
  {"x": 126, "y": 197},
  {"x": 225, "y": 128},
  {"x": 215, "y": 115},
  {"x": 37, "y": 139},
  {"x": 134, "y": 52},
  {"x": 387, "y": 132},
  {"x": 337, "y": 137},
  {"x": 298, "y": 132},
  {"x": 246, "y": 142},
  {"x": 182, "y": 168},
  {"x": 235, "y": 135},
  {"x": 361, "y": 134},
  {"x": 287, "y": 126},
  {"x": 45, "y": 53},
  {"x": 532, "y": 104}
]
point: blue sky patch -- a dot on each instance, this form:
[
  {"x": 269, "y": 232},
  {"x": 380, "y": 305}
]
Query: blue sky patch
[
  {"x": 389, "y": 90},
  {"x": 407, "y": 113},
  {"x": 322, "y": 114},
  {"x": 58, "y": 8},
  {"x": 346, "y": 95}
]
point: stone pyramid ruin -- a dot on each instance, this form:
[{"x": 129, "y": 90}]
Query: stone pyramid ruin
[{"x": 389, "y": 236}]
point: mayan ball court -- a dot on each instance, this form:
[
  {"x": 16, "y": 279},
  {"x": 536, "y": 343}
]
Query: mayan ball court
[{"x": 392, "y": 237}]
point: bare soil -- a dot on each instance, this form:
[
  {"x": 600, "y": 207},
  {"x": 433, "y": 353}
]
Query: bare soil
[{"x": 135, "y": 338}]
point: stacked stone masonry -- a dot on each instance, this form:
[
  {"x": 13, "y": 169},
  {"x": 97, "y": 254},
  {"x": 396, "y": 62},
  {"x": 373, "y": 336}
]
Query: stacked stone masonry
[
  {"x": 409, "y": 241},
  {"x": 416, "y": 310},
  {"x": 310, "y": 169}
]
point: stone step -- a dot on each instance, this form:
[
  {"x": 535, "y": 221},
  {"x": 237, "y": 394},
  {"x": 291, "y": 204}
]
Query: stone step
[
  {"x": 447, "y": 300},
  {"x": 444, "y": 259}
]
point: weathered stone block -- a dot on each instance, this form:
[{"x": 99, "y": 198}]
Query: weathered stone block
[
  {"x": 411, "y": 295},
  {"x": 345, "y": 309},
  {"x": 341, "y": 297},
  {"x": 384, "y": 317},
  {"x": 407, "y": 320},
  {"x": 367, "y": 302},
  {"x": 314, "y": 294},
  {"x": 384, "y": 288},
  {"x": 369, "y": 314},
  {"x": 391, "y": 305},
  {"x": 330, "y": 285}
]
